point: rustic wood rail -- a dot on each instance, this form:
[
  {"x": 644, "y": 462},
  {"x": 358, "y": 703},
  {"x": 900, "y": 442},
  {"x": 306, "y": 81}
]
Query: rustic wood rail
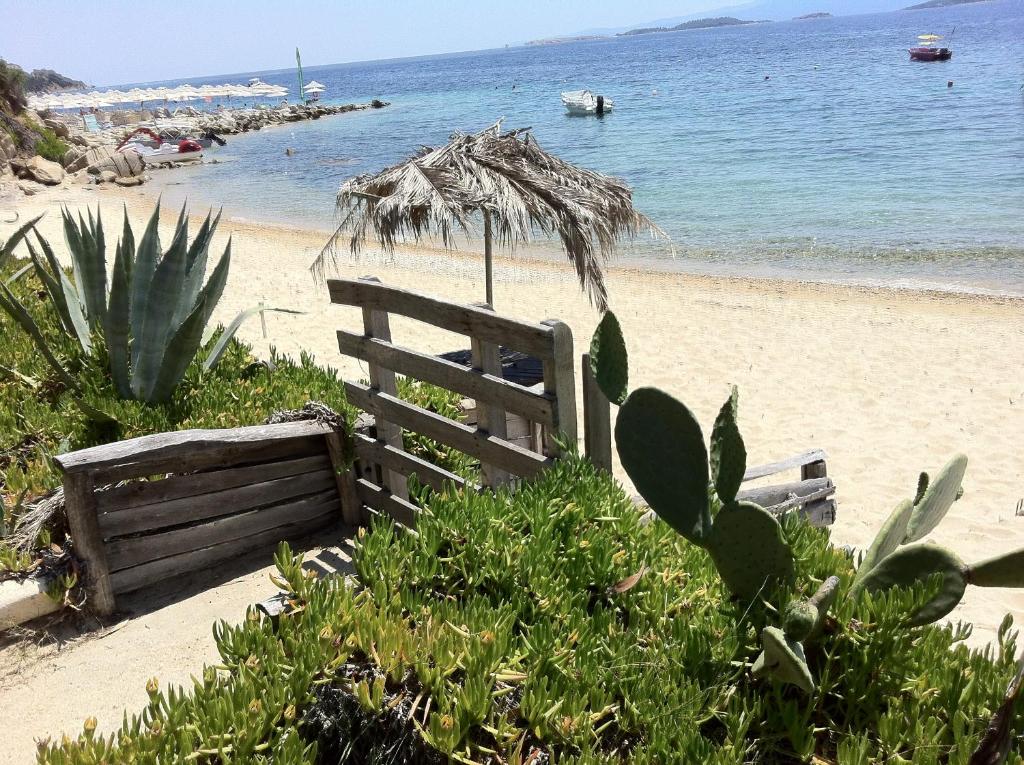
[
  {"x": 231, "y": 491},
  {"x": 381, "y": 475}
]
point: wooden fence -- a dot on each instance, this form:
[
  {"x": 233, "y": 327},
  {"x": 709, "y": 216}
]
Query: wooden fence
[
  {"x": 381, "y": 475},
  {"x": 228, "y": 492}
]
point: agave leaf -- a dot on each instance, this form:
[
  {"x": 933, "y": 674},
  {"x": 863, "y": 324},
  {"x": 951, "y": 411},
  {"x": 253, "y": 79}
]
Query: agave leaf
[
  {"x": 19, "y": 274},
  {"x": 214, "y": 287},
  {"x": 64, "y": 300},
  {"x": 7, "y": 250},
  {"x": 143, "y": 268},
  {"x": 157, "y": 328},
  {"x": 85, "y": 242},
  {"x": 229, "y": 332},
  {"x": 198, "y": 254},
  {"x": 728, "y": 454},
  {"x": 94, "y": 414},
  {"x": 128, "y": 245},
  {"x": 18, "y": 312},
  {"x": 179, "y": 354},
  {"x": 116, "y": 326}
]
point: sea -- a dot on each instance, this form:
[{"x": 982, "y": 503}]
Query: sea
[{"x": 807, "y": 150}]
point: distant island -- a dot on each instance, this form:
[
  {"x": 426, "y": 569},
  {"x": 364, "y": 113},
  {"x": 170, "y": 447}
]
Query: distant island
[
  {"x": 49, "y": 81},
  {"x": 561, "y": 40},
  {"x": 809, "y": 16},
  {"x": 720, "y": 21},
  {"x": 940, "y": 4}
]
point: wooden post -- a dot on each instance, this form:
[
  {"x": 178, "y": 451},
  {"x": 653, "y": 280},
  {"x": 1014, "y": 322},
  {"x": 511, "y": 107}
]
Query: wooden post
[
  {"x": 488, "y": 260},
  {"x": 597, "y": 419},
  {"x": 490, "y": 418},
  {"x": 816, "y": 469},
  {"x": 80, "y": 507},
  {"x": 376, "y": 324},
  {"x": 560, "y": 381},
  {"x": 345, "y": 478}
]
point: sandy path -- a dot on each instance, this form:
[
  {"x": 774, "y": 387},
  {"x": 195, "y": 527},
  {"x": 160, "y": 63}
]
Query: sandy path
[{"x": 887, "y": 382}]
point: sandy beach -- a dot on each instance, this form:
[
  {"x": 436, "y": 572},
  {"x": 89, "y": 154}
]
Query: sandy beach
[{"x": 888, "y": 383}]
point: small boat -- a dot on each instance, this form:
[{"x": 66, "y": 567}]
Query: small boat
[
  {"x": 583, "y": 102},
  {"x": 929, "y": 51},
  {"x": 154, "y": 150}
]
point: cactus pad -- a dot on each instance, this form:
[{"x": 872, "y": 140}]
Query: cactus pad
[
  {"x": 799, "y": 619},
  {"x": 748, "y": 548},
  {"x": 784, "y": 660},
  {"x": 940, "y": 495},
  {"x": 662, "y": 449},
  {"x": 1001, "y": 571},
  {"x": 916, "y": 563},
  {"x": 889, "y": 537},
  {"x": 609, "y": 360},
  {"x": 728, "y": 454}
]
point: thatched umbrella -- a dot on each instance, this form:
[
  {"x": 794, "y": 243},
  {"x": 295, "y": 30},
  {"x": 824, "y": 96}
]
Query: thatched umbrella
[{"x": 516, "y": 186}]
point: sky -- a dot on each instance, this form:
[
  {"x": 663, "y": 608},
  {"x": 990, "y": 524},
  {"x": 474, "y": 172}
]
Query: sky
[{"x": 112, "y": 42}]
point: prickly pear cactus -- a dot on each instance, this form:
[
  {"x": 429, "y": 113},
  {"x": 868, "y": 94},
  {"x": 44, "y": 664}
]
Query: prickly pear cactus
[
  {"x": 917, "y": 563},
  {"x": 1001, "y": 571},
  {"x": 936, "y": 499},
  {"x": 783, "y": 658},
  {"x": 609, "y": 360},
  {"x": 728, "y": 454},
  {"x": 798, "y": 619},
  {"x": 662, "y": 449},
  {"x": 748, "y": 549},
  {"x": 889, "y": 537}
]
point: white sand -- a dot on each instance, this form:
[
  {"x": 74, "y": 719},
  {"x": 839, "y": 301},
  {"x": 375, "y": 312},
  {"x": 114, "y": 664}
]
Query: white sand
[{"x": 889, "y": 383}]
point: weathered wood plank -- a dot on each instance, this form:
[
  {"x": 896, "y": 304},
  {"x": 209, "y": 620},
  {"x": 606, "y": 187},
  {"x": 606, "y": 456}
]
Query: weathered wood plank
[
  {"x": 134, "y": 578},
  {"x": 134, "y": 551},
  {"x": 377, "y": 325},
  {"x": 816, "y": 469},
  {"x": 481, "y": 384},
  {"x": 534, "y": 339},
  {"x": 769, "y": 496},
  {"x": 176, "y": 512},
  {"x": 560, "y": 382},
  {"x": 80, "y": 508},
  {"x": 408, "y": 464},
  {"x": 491, "y": 412},
  {"x": 597, "y": 419},
  {"x": 189, "y": 450},
  {"x": 191, "y": 485},
  {"x": 516, "y": 460},
  {"x": 760, "y": 471},
  {"x": 385, "y": 502}
]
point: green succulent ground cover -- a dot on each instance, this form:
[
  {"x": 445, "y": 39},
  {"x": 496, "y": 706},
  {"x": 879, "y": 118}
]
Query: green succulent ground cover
[{"x": 514, "y": 629}]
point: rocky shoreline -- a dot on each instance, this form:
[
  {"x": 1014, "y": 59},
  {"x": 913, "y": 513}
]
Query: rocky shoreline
[{"x": 91, "y": 157}]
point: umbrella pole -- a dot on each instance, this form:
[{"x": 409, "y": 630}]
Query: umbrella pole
[{"x": 488, "y": 259}]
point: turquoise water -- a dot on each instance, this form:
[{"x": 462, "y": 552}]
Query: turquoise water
[{"x": 810, "y": 149}]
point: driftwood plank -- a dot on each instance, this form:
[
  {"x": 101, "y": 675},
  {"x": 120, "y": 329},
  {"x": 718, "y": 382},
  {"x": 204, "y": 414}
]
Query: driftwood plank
[
  {"x": 560, "y": 382},
  {"x": 80, "y": 508},
  {"x": 515, "y": 459},
  {"x": 344, "y": 479},
  {"x": 534, "y": 339},
  {"x": 770, "y": 496},
  {"x": 188, "y": 450},
  {"x": 155, "y": 571},
  {"x": 191, "y": 485},
  {"x": 371, "y": 450},
  {"x": 176, "y": 512},
  {"x": 126, "y": 553},
  {"x": 483, "y": 386},
  {"x": 387, "y": 503},
  {"x": 815, "y": 455}
]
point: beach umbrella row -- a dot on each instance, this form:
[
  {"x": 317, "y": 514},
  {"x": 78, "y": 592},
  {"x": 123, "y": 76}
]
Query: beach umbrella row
[{"x": 186, "y": 92}]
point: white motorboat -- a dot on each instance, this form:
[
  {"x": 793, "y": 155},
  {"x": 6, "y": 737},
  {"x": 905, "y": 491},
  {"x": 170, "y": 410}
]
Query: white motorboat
[
  {"x": 156, "y": 150},
  {"x": 583, "y": 103}
]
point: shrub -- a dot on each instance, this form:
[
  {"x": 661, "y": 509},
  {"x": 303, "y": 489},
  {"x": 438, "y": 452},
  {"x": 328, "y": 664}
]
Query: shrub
[
  {"x": 50, "y": 147},
  {"x": 553, "y": 625},
  {"x": 12, "y": 87}
]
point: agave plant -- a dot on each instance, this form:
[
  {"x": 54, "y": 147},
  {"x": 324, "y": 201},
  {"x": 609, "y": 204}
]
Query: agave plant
[{"x": 152, "y": 311}]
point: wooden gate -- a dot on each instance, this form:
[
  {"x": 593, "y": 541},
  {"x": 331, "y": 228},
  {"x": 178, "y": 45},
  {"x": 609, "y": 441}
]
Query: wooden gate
[{"x": 381, "y": 475}]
